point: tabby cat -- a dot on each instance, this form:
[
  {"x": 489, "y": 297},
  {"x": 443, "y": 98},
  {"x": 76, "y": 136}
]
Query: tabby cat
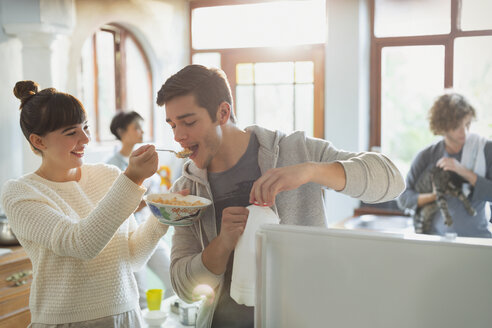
[{"x": 445, "y": 183}]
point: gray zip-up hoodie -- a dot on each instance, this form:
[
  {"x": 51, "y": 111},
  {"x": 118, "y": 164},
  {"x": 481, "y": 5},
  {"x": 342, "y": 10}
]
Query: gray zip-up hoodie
[{"x": 370, "y": 177}]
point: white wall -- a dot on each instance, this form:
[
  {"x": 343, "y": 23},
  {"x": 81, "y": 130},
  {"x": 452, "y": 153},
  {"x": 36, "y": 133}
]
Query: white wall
[
  {"x": 42, "y": 39},
  {"x": 10, "y": 132},
  {"x": 25, "y": 52},
  {"x": 346, "y": 88}
]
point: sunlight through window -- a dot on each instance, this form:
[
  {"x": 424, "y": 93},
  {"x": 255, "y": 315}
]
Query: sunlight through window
[{"x": 279, "y": 23}]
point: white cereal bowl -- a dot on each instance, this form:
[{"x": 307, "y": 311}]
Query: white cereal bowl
[
  {"x": 178, "y": 215},
  {"x": 154, "y": 318}
]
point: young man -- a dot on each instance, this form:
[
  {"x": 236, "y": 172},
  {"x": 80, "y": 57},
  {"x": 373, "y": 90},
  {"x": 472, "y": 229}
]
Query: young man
[{"x": 234, "y": 168}]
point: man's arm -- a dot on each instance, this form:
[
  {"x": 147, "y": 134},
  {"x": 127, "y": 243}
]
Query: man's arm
[
  {"x": 369, "y": 177},
  {"x": 216, "y": 255},
  {"x": 187, "y": 268},
  {"x": 264, "y": 190}
]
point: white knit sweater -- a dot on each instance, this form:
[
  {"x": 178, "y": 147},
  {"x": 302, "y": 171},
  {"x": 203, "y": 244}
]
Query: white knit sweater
[{"x": 83, "y": 242}]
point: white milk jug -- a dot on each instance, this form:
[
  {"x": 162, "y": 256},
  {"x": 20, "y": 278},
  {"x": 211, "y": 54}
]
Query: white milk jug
[{"x": 243, "y": 280}]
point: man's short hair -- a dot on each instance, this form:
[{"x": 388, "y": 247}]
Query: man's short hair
[{"x": 209, "y": 86}]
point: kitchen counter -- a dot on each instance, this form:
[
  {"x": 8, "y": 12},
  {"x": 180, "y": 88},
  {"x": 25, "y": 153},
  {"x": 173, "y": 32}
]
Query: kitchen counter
[
  {"x": 341, "y": 224},
  {"x": 14, "y": 300},
  {"x": 382, "y": 223},
  {"x": 15, "y": 284}
]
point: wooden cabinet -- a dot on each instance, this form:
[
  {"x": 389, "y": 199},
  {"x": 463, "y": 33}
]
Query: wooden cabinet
[{"x": 14, "y": 299}]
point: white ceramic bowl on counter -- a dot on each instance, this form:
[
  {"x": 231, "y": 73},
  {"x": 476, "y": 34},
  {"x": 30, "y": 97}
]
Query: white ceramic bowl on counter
[{"x": 154, "y": 318}]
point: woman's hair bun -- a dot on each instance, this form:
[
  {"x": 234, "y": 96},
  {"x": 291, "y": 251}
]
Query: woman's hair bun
[{"x": 25, "y": 90}]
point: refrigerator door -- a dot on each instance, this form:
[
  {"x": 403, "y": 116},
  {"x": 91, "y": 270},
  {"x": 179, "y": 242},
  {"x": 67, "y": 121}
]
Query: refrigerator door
[{"x": 314, "y": 277}]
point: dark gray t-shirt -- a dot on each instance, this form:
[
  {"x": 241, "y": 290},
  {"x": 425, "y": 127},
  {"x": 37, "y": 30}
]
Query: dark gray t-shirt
[{"x": 232, "y": 188}]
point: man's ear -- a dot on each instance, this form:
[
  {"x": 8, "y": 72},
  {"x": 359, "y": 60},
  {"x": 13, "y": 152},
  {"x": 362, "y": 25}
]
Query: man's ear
[
  {"x": 37, "y": 141},
  {"x": 223, "y": 112}
]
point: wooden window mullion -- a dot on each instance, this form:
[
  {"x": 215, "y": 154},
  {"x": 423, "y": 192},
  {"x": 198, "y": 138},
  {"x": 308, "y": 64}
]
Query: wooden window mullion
[
  {"x": 449, "y": 46},
  {"x": 96, "y": 87},
  {"x": 448, "y": 63},
  {"x": 123, "y": 69},
  {"x": 117, "y": 70}
]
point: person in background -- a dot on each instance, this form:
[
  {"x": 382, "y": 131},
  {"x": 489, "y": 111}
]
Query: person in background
[
  {"x": 75, "y": 220},
  {"x": 465, "y": 153},
  {"x": 127, "y": 128},
  {"x": 235, "y": 168}
]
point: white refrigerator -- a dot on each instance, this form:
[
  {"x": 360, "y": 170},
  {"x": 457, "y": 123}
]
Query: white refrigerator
[{"x": 315, "y": 277}]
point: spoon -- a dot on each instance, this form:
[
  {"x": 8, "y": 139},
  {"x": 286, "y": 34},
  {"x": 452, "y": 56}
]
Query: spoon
[{"x": 185, "y": 153}]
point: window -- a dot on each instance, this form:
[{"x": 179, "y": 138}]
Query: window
[
  {"x": 115, "y": 76},
  {"x": 273, "y": 55},
  {"x": 405, "y": 98},
  {"x": 261, "y": 24},
  {"x": 418, "y": 50},
  {"x": 275, "y": 95}
]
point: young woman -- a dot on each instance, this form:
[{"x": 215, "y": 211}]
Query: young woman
[
  {"x": 467, "y": 154},
  {"x": 75, "y": 220},
  {"x": 127, "y": 128}
]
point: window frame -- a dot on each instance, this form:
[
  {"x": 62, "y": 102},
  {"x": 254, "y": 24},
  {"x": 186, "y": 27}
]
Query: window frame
[
  {"x": 377, "y": 45},
  {"x": 229, "y": 57},
  {"x": 120, "y": 35}
]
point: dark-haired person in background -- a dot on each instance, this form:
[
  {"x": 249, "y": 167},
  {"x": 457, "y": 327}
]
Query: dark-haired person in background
[
  {"x": 127, "y": 128},
  {"x": 76, "y": 221},
  {"x": 467, "y": 154},
  {"x": 235, "y": 168}
]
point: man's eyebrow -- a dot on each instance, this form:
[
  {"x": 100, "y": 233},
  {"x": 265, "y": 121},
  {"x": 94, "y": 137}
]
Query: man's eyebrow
[{"x": 181, "y": 117}]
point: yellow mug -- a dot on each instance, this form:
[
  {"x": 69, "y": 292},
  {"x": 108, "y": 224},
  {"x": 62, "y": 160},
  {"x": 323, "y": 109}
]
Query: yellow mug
[{"x": 154, "y": 297}]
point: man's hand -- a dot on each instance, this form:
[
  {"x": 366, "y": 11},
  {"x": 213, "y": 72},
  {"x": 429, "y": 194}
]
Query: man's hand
[
  {"x": 233, "y": 225},
  {"x": 276, "y": 180},
  {"x": 216, "y": 255}
]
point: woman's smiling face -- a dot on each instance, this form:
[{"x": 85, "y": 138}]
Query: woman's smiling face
[
  {"x": 194, "y": 129},
  {"x": 65, "y": 147}
]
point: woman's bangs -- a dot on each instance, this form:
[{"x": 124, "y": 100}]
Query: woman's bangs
[{"x": 64, "y": 110}]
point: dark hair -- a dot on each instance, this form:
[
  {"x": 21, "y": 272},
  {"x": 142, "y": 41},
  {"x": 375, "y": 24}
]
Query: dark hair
[
  {"x": 121, "y": 121},
  {"x": 448, "y": 111},
  {"x": 209, "y": 86},
  {"x": 46, "y": 110}
]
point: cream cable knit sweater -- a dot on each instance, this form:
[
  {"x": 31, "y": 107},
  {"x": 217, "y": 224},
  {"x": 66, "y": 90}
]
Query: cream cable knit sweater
[{"x": 83, "y": 242}]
